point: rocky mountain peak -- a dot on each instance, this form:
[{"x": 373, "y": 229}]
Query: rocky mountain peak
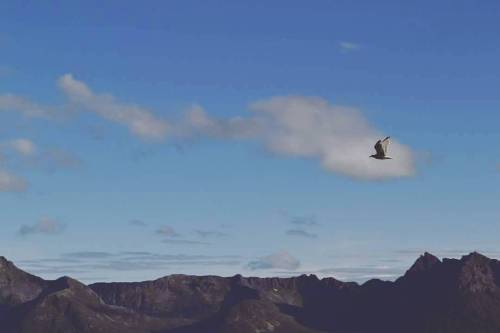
[
  {"x": 424, "y": 263},
  {"x": 4, "y": 263},
  {"x": 476, "y": 274},
  {"x": 475, "y": 257},
  {"x": 452, "y": 295}
]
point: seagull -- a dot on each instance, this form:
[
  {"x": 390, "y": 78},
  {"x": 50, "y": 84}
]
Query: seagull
[{"x": 381, "y": 149}]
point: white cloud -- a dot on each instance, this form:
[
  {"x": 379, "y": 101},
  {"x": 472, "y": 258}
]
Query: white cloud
[
  {"x": 11, "y": 183},
  {"x": 279, "y": 260},
  {"x": 44, "y": 226},
  {"x": 340, "y": 138},
  {"x": 139, "y": 121},
  {"x": 22, "y": 146},
  {"x": 309, "y": 127}
]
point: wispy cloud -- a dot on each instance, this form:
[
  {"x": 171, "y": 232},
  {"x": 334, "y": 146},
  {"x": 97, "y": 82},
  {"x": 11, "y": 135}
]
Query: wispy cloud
[
  {"x": 301, "y": 233},
  {"x": 43, "y": 226},
  {"x": 307, "y": 221},
  {"x": 167, "y": 231},
  {"x": 363, "y": 273},
  {"x": 88, "y": 263},
  {"x": 138, "y": 223},
  {"x": 279, "y": 260},
  {"x": 149, "y": 256},
  {"x": 140, "y": 121},
  {"x": 173, "y": 238},
  {"x": 11, "y": 183},
  {"x": 209, "y": 233},
  {"x": 88, "y": 255},
  {"x": 55, "y": 158},
  {"x": 302, "y": 224},
  {"x": 127, "y": 265},
  {"x": 183, "y": 242},
  {"x": 22, "y": 105},
  {"x": 339, "y": 137},
  {"x": 349, "y": 46},
  {"x": 25, "y": 151}
]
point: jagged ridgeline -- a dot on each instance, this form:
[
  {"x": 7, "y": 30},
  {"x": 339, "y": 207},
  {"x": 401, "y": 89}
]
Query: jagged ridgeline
[{"x": 452, "y": 295}]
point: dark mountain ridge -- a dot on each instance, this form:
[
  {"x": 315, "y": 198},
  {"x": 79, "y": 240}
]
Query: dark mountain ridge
[{"x": 452, "y": 295}]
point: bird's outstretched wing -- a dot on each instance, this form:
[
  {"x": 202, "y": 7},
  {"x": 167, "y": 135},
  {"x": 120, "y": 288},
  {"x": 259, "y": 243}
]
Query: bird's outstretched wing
[
  {"x": 381, "y": 146},
  {"x": 385, "y": 144}
]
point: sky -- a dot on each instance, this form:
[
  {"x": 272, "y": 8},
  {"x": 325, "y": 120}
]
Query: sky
[{"x": 139, "y": 140}]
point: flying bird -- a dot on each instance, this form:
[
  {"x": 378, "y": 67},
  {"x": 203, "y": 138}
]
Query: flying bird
[{"x": 381, "y": 149}]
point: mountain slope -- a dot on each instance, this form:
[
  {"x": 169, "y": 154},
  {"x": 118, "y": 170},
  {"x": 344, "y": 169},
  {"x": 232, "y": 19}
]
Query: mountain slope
[{"x": 452, "y": 295}]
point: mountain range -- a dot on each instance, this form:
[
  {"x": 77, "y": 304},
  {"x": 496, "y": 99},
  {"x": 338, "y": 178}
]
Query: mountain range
[{"x": 433, "y": 296}]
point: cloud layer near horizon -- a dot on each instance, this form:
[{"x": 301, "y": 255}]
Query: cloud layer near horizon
[
  {"x": 340, "y": 138},
  {"x": 278, "y": 260}
]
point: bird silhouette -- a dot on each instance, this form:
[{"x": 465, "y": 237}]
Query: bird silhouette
[{"x": 381, "y": 149}]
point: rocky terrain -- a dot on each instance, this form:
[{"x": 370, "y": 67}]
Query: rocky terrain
[{"x": 452, "y": 295}]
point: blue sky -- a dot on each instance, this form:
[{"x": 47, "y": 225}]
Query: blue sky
[{"x": 215, "y": 137}]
